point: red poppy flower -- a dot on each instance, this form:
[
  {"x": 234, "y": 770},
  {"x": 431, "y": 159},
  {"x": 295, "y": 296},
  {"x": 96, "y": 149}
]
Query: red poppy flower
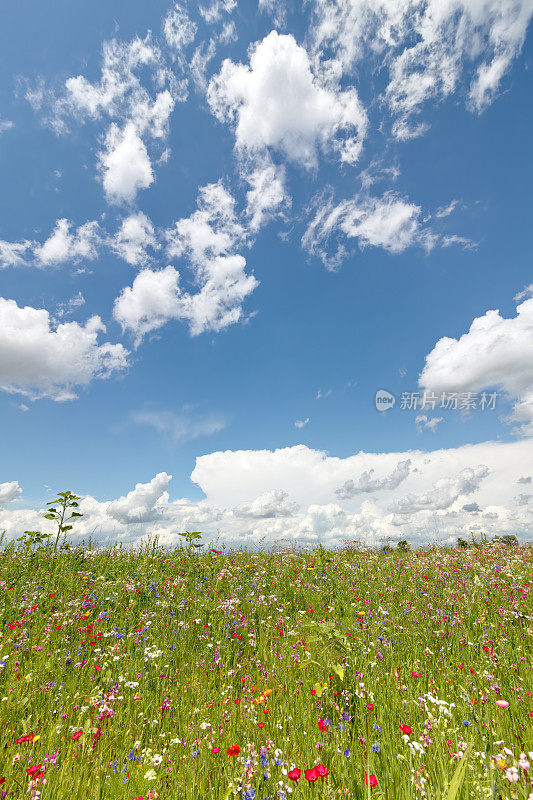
[
  {"x": 370, "y": 706},
  {"x": 260, "y": 724},
  {"x": 233, "y": 750},
  {"x": 311, "y": 774},
  {"x": 27, "y": 738},
  {"x": 294, "y": 774},
  {"x": 77, "y": 734},
  {"x": 237, "y": 702},
  {"x": 215, "y": 750},
  {"x": 2, "y": 780},
  {"x": 34, "y": 769},
  {"x": 406, "y": 729},
  {"x": 322, "y": 725},
  {"x": 313, "y": 692},
  {"x": 322, "y": 770},
  {"x": 371, "y": 780}
]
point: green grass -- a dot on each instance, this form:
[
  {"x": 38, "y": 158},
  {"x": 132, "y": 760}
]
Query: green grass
[{"x": 158, "y": 657}]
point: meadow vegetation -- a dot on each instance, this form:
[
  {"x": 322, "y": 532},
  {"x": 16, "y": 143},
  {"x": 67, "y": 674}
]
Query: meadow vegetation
[{"x": 200, "y": 672}]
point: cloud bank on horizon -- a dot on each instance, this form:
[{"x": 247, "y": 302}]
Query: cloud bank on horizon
[
  {"x": 430, "y": 496},
  {"x": 216, "y": 177}
]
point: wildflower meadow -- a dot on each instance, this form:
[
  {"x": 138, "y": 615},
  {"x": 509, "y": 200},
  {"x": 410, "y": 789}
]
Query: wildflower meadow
[{"x": 208, "y": 673}]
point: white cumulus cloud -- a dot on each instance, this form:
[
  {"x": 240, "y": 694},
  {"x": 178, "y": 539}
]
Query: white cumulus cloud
[
  {"x": 214, "y": 11},
  {"x": 143, "y": 502},
  {"x": 267, "y": 195},
  {"x": 429, "y": 49},
  {"x": 135, "y": 235},
  {"x": 38, "y": 359},
  {"x": 390, "y": 222},
  {"x": 278, "y": 102},
  {"x": 444, "y": 494},
  {"x": 124, "y": 164},
  {"x": 12, "y": 254},
  {"x": 496, "y": 352},
  {"x": 267, "y": 506},
  {"x": 153, "y": 300},
  {"x": 367, "y": 482},
  {"x": 286, "y": 496},
  {"x": 64, "y": 245},
  {"x": 179, "y": 29},
  {"x": 9, "y": 491},
  {"x": 136, "y": 93},
  {"x": 206, "y": 243}
]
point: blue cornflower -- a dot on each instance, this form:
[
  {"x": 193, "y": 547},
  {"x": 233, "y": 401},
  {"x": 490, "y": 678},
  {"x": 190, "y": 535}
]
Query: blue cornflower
[
  {"x": 249, "y": 794},
  {"x": 264, "y": 760},
  {"x": 375, "y": 747},
  {"x": 466, "y": 723},
  {"x": 131, "y": 755},
  {"x": 195, "y": 753},
  {"x": 347, "y": 717},
  {"x": 347, "y": 753},
  {"x": 277, "y": 762},
  {"x": 376, "y": 727}
]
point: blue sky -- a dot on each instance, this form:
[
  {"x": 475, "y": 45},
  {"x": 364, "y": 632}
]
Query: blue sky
[{"x": 197, "y": 253}]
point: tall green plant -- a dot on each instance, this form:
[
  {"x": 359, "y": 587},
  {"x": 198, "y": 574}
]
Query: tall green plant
[
  {"x": 64, "y": 502},
  {"x": 190, "y": 537},
  {"x": 32, "y": 538}
]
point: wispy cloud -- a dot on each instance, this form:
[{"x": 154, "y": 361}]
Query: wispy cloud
[
  {"x": 425, "y": 423},
  {"x": 5, "y": 125},
  {"x": 179, "y": 426}
]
